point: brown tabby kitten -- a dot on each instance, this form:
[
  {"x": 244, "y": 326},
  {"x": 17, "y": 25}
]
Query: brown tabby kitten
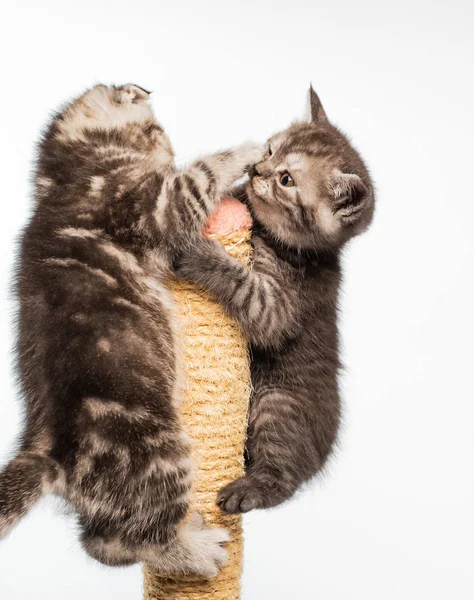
[
  {"x": 96, "y": 348},
  {"x": 309, "y": 196}
]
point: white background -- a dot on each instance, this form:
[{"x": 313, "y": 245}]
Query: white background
[{"x": 393, "y": 517}]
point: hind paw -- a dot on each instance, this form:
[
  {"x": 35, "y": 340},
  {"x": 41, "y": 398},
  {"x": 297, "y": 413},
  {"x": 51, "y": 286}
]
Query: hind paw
[{"x": 204, "y": 544}]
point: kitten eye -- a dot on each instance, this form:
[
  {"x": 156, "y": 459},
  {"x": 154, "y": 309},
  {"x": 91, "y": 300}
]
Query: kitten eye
[
  {"x": 268, "y": 153},
  {"x": 286, "y": 180}
]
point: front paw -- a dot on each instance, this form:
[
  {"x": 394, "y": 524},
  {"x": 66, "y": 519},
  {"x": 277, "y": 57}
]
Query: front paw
[
  {"x": 250, "y": 153},
  {"x": 243, "y": 495}
]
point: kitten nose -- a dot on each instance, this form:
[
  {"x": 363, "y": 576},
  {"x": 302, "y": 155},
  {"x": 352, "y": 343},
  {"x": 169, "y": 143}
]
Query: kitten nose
[{"x": 255, "y": 171}]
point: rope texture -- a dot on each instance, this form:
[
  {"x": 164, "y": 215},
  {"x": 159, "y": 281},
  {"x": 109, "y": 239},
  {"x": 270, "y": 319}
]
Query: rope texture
[{"x": 214, "y": 412}]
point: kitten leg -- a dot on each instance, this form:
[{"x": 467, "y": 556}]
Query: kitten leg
[
  {"x": 108, "y": 551},
  {"x": 230, "y": 165},
  {"x": 130, "y": 479},
  {"x": 196, "y": 550},
  {"x": 289, "y": 440},
  {"x": 261, "y": 299},
  {"x": 185, "y": 199},
  {"x": 276, "y": 444}
]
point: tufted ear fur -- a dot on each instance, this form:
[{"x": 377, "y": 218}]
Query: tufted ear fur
[
  {"x": 317, "y": 113},
  {"x": 131, "y": 93},
  {"x": 351, "y": 195}
]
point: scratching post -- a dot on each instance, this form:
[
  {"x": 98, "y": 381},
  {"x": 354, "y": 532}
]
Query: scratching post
[{"x": 214, "y": 413}]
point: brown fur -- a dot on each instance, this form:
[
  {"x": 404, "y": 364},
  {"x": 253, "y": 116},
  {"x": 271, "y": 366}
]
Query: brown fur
[{"x": 96, "y": 347}]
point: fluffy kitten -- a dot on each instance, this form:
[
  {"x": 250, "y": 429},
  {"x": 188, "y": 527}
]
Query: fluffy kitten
[
  {"x": 96, "y": 348},
  {"x": 309, "y": 196}
]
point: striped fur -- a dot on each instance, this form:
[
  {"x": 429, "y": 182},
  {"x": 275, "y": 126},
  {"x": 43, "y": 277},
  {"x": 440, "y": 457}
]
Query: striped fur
[
  {"x": 287, "y": 303},
  {"x": 96, "y": 348}
]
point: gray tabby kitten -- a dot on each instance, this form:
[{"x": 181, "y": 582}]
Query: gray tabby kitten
[
  {"x": 309, "y": 196},
  {"x": 96, "y": 348}
]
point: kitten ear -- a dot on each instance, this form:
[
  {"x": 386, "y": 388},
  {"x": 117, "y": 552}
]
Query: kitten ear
[
  {"x": 351, "y": 196},
  {"x": 316, "y": 110},
  {"x": 132, "y": 93}
]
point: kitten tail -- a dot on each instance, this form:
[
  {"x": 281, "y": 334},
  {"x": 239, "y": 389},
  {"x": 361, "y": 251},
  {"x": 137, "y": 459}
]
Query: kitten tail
[{"x": 23, "y": 482}]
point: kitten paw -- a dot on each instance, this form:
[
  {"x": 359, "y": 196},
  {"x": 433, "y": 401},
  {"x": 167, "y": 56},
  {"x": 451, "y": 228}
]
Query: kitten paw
[
  {"x": 231, "y": 165},
  {"x": 250, "y": 153},
  {"x": 204, "y": 552},
  {"x": 243, "y": 495}
]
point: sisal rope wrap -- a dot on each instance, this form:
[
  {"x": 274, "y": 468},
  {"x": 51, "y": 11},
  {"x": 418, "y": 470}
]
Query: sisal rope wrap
[{"x": 214, "y": 413}]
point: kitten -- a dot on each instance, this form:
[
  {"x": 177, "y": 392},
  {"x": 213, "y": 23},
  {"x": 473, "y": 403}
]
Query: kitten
[
  {"x": 96, "y": 347},
  {"x": 309, "y": 196}
]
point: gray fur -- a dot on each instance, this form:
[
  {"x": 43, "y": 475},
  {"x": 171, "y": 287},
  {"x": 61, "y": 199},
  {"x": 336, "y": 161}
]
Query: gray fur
[{"x": 287, "y": 302}]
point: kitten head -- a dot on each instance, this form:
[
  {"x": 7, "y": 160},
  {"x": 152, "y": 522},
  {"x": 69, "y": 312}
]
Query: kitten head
[{"x": 312, "y": 190}]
